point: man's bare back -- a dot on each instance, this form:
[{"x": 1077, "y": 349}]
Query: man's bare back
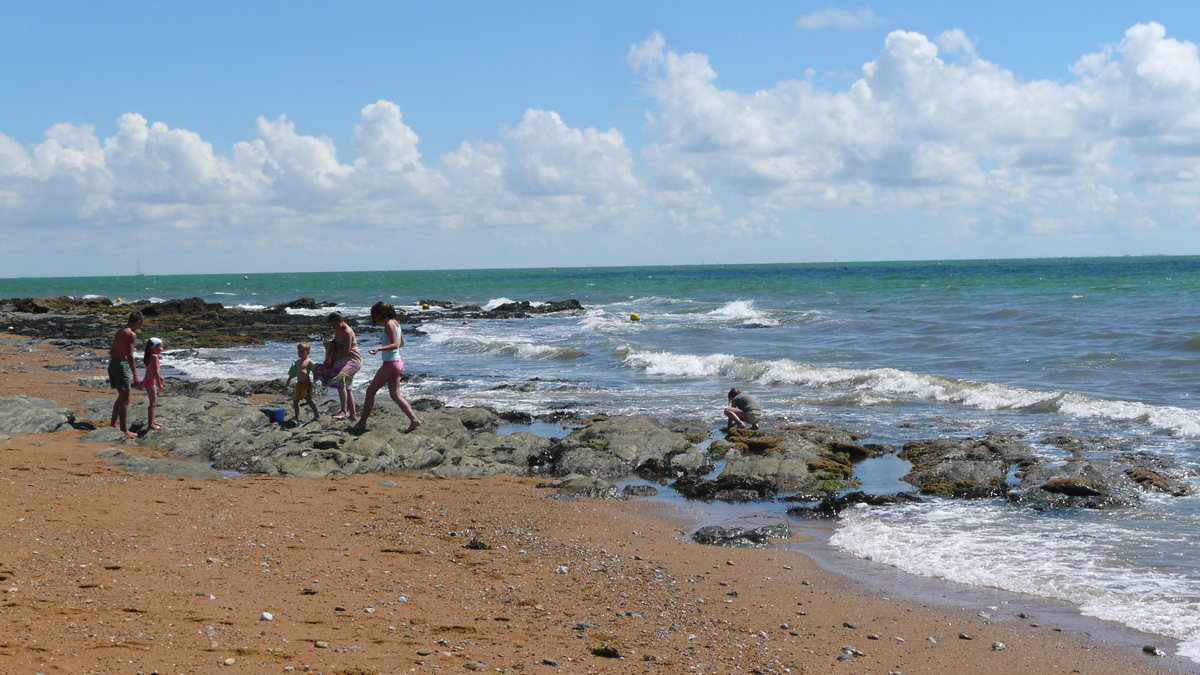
[{"x": 123, "y": 344}]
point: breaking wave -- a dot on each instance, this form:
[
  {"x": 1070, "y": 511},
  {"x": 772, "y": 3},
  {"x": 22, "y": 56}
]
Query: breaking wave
[{"x": 889, "y": 384}]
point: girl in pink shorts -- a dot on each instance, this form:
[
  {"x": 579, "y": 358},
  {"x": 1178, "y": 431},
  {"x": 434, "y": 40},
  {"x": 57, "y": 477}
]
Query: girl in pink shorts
[
  {"x": 152, "y": 382},
  {"x": 389, "y": 371}
]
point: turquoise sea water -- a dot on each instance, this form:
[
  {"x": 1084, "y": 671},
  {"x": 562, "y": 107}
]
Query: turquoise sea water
[{"x": 1093, "y": 347}]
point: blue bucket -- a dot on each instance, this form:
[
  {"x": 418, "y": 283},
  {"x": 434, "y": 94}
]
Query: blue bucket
[{"x": 279, "y": 414}]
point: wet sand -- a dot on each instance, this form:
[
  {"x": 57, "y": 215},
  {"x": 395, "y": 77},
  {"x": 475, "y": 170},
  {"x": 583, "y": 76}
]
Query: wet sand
[{"x": 110, "y": 572}]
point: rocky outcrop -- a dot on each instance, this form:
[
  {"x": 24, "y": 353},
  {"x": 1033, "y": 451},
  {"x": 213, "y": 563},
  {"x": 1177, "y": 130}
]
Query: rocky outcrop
[
  {"x": 26, "y": 415},
  {"x": 194, "y": 322},
  {"x": 212, "y": 422},
  {"x": 969, "y": 467},
  {"x": 1094, "y": 484},
  {"x": 794, "y": 458},
  {"x": 621, "y": 446}
]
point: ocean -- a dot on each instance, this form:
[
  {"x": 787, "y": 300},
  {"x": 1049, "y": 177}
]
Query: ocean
[{"x": 1100, "y": 347}]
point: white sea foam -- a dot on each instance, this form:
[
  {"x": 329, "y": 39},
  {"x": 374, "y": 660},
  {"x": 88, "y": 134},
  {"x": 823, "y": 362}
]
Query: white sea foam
[
  {"x": 249, "y": 306},
  {"x": 904, "y": 385},
  {"x": 744, "y": 311},
  {"x": 92, "y": 296},
  {"x": 494, "y": 303},
  {"x": 1083, "y": 562},
  {"x": 223, "y": 293},
  {"x": 356, "y": 312},
  {"x": 474, "y": 339}
]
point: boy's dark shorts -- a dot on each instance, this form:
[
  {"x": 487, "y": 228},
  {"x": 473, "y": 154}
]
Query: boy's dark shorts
[{"x": 119, "y": 375}]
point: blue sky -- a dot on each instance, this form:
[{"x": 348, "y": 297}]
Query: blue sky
[{"x": 314, "y": 136}]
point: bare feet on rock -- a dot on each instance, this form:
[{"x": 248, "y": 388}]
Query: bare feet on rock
[{"x": 413, "y": 426}]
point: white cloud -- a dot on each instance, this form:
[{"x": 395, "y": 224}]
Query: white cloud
[
  {"x": 558, "y": 160},
  {"x": 840, "y": 18},
  {"x": 383, "y": 140},
  {"x": 921, "y": 132},
  {"x": 1116, "y": 145}
]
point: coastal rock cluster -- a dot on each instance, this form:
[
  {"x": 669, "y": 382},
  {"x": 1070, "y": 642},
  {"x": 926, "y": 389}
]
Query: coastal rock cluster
[
  {"x": 213, "y": 426},
  {"x": 193, "y": 322},
  {"x": 214, "y": 423}
]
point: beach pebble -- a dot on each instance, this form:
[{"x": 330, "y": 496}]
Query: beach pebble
[
  {"x": 321, "y": 644},
  {"x": 1022, "y": 615},
  {"x": 549, "y": 662},
  {"x": 266, "y": 616},
  {"x": 999, "y": 646},
  {"x": 845, "y": 657},
  {"x": 872, "y": 636},
  {"x": 965, "y": 636},
  {"x": 847, "y": 624},
  {"x": 369, "y": 610},
  {"x": 930, "y": 638},
  {"x": 474, "y": 665},
  {"x": 784, "y": 626},
  {"x": 423, "y": 652},
  {"x": 387, "y": 483},
  {"x": 849, "y": 649},
  {"x": 339, "y": 608},
  {"x": 561, "y": 569},
  {"x": 898, "y": 639},
  {"x": 230, "y": 662},
  {"x": 1153, "y": 650}
]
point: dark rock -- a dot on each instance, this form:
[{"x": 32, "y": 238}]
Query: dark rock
[
  {"x": 640, "y": 490},
  {"x": 186, "y": 306},
  {"x": 726, "y": 488},
  {"x": 740, "y": 537},
  {"x": 831, "y": 505},
  {"x": 1090, "y": 484},
  {"x": 300, "y": 303}
]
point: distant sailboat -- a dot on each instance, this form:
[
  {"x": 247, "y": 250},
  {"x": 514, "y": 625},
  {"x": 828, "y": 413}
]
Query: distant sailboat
[{"x": 139, "y": 268}]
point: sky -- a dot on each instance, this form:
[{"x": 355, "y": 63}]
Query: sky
[{"x": 226, "y": 137}]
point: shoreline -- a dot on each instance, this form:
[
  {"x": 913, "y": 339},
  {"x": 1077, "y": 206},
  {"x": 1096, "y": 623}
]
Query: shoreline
[{"x": 635, "y": 551}]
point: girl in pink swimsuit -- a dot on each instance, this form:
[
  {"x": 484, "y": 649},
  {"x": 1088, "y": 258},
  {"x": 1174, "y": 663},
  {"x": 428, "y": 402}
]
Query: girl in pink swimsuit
[
  {"x": 389, "y": 371},
  {"x": 152, "y": 382}
]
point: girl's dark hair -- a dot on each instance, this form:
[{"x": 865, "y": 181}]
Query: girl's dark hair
[
  {"x": 147, "y": 348},
  {"x": 734, "y": 392},
  {"x": 336, "y": 317},
  {"x": 383, "y": 310}
]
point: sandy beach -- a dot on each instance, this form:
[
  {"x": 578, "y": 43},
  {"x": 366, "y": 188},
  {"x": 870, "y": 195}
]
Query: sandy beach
[{"x": 113, "y": 572}]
